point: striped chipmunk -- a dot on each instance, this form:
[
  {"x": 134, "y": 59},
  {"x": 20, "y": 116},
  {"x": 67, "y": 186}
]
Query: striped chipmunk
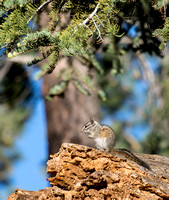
[{"x": 104, "y": 138}]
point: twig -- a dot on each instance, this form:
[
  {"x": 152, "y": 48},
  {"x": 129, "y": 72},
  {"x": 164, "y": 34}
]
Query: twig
[
  {"x": 97, "y": 30},
  {"x": 90, "y": 16},
  {"x": 40, "y": 7},
  {"x": 87, "y": 19}
]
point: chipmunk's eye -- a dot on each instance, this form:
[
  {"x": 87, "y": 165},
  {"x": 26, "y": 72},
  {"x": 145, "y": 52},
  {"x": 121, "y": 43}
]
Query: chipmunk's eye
[{"x": 86, "y": 126}]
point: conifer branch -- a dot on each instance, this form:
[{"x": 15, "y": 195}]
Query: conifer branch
[
  {"x": 90, "y": 16},
  {"x": 40, "y": 7}
]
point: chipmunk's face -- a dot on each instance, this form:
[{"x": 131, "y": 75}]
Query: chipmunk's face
[{"x": 91, "y": 128}]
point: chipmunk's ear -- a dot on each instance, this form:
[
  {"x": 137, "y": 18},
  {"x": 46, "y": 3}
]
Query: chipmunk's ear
[{"x": 91, "y": 120}]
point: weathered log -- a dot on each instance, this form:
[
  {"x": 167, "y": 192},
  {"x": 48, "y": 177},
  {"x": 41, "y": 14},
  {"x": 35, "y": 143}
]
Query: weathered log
[{"x": 81, "y": 172}]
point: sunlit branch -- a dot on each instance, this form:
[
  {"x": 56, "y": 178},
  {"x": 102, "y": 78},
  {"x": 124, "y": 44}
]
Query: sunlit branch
[
  {"x": 40, "y": 7},
  {"x": 97, "y": 29},
  {"x": 90, "y": 16}
]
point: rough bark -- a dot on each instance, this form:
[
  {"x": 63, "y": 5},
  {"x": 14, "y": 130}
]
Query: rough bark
[{"x": 81, "y": 172}]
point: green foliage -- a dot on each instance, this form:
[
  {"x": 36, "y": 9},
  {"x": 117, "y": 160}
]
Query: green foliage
[
  {"x": 6, "y": 5},
  {"x": 80, "y": 87},
  {"x": 73, "y": 40},
  {"x": 159, "y": 4},
  {"x": 58, "y": 89},
  {"x": 10, "y": 4},
  {"x": 102, "y": 95},
  {"x": 95, "y": 63},
  {"x": 41, "y": 72},
  {"x": 15, "y": 24},
  {"x": 33, "y": 41},
  {"x": 70, "y": 44},
  {"x": 89, "y": 24},
  {"x": 163, "y": 33}
]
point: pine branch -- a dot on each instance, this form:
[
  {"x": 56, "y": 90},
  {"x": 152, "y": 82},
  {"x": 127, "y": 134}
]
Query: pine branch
[
  {"x": 39, "y": 9},
  {"x": 90, "y": 16}
]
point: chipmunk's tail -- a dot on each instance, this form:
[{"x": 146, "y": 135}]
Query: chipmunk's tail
[{"x": 128, "y": 154}]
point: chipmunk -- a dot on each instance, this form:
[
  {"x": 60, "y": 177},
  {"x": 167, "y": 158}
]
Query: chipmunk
[{"x": 105, "y": 141}]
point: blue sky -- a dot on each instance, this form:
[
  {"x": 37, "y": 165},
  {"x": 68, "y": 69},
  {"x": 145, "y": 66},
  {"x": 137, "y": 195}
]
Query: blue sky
[{"x": 29, "y": 172}]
